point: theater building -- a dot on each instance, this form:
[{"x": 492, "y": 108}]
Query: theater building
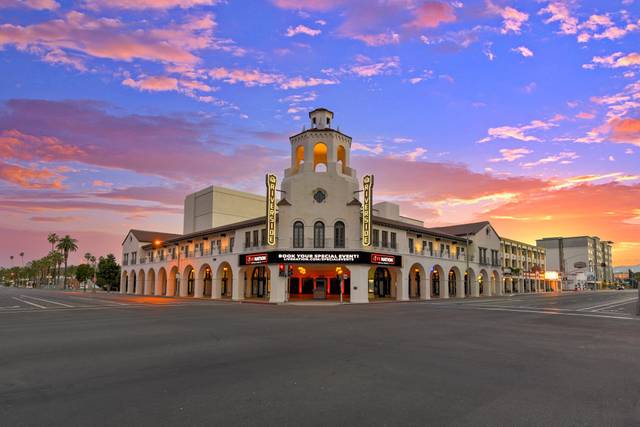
[{"x": 320, "y": 235}]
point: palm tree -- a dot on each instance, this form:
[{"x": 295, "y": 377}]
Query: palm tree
[
  {"x": 87, "y": 257},
  {"x": 11, "y": 258},
  {"x": 22, "y": 262},
  {"x": 53, "y": 239},
  {"x": 56, "y": 260},
  {"x": 66, "y": 245}
]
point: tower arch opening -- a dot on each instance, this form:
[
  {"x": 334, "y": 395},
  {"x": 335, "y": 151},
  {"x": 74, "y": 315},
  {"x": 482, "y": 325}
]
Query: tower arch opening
[{"x": 320, "y": 157}]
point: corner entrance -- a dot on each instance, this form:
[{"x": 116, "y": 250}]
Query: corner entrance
[{"x": 320, "y": 282}]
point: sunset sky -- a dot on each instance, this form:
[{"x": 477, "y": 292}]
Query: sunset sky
[{"x": 524, "y": 113}]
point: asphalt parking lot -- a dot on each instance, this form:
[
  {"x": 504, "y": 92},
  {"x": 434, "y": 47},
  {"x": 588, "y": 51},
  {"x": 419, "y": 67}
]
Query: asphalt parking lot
[{"x": 78, "y": 359}]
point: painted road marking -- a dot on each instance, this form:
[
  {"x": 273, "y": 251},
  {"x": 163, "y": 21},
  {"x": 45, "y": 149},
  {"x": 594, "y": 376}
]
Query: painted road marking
[
  {"x": 10, "y": 306},
  {"x": 633, "y": 300},
  {"x": 558, "y": 313},
  {"x": 607, "y": 304},
  {"x": 30, "y": 303},
  {"x": 46, "y": 300}
]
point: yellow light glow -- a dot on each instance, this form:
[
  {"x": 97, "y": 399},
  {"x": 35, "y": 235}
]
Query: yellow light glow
[{"x": 551, "y": 275}]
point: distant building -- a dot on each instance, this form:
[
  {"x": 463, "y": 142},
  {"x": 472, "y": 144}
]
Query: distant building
[
  {"x": 524, "y": 266},
  {"x": 584, "y": 262}
]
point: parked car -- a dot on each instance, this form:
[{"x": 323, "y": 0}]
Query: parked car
[{"x": 620, "y": 287}]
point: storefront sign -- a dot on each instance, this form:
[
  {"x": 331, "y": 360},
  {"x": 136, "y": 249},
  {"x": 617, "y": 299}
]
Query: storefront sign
[
  {"x": 357, "y": 257},
  {"x": 255, "y": 259},
  {"x": 271, "y": 209},
  {"x": 367, "y": 192}
]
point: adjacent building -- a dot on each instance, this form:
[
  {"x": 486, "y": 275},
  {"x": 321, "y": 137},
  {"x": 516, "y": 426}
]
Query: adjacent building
[
  {"x": 524, "y": 267},
  {"x": 583, "y": 262},
  {"x": 319, "y": 235}
]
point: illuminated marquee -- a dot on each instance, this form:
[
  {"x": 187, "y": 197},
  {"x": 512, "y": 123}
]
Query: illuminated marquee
[
  {"x": 320, "y": 257},
  {"x": 271, "y": 209},
  {"x": 367, "y": 192}
]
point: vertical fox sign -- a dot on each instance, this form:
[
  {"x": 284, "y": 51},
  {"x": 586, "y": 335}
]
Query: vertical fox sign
[
  {"x": 367, "y": 191},
  {"x": 271, "y": 181}
]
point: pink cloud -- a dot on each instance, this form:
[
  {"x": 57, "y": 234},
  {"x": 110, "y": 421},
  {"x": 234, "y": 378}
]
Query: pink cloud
[
  {"x": 109, "y": 38},
  {"x": 254, "y": 77},
  {"x": 147, "y": 4},
  {"x": 31, "y": 4},
  {"x": 163, "y": 145},
  {"x": 513, "y": 19},
  {"x": 431, "y": 14},
  {"x": 153, "y": 83},
  {"x": 315, "y": 5}
]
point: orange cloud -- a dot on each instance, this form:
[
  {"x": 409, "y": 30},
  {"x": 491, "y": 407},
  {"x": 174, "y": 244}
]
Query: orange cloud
[
  {"x": 626, "y": 131},
  {"x": 30, "y": 178}
]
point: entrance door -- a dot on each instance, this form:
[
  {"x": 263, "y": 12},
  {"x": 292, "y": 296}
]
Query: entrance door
[{"x": 382, "y": 282}]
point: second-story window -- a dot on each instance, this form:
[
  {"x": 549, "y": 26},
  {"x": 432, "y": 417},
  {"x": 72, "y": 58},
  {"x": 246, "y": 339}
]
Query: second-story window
[
  {"x": 298, "y": 234},
  {"x": 318, "y": 234},
  {"x": 338, "y": 235},
  {"x": 134, "y": 257},
  {"x": 263, "y": 237},
  {"x": 247, "y": 239},
  {"x": 394, "y": 242},
  {"x": 385, "y": 239},
  {"x": 410, "y": 245},
  {"x": 256, "y": 235},
  {"x": 232, "y": 240},
  {"x": 376, "y": 237},
  {"x": 125, "y": 259}
]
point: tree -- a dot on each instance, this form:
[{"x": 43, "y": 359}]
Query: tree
[
  {"x": 53, "y": 239},
  {"x": 108, "y": 273},
  {"x": 56, "y": 260},
  {"x": 66, "y": 245},
  {"x": 84, "y": 272}
]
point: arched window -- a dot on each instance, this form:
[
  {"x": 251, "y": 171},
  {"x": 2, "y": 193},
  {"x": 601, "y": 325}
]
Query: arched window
[
  {"x": 319, "y": 156},
  {"x": 318, "y": 234},
  {"x": 342, "y": 157},
  {"x": 299, "y": 156},
  {"x": 298, "y": 234},
  {"x": 338, "y": 235}
]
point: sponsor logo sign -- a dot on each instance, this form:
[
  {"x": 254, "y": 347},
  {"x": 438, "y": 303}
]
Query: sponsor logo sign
[
  {"x": 271, "y": 182},
  {"x": 383, "y": 259},
  {"x": 367, "y": 197},
  {"x": 255, "y": 259}
]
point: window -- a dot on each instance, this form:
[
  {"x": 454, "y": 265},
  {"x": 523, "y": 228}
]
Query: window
[
  {"x": 430, "y": 248},
  {"x": 394, "y": 242},
  {"x": 256, "y": 242},
  {"x": 263, "y": 237},
  {"x": 376, "y": 237},
  {"x": 134, "y": 257},
  {"x": 410, "y": 246},
  {"x": 212, "y": 246},
  {"x": 448, "y": 251},
  {"x": 318, "y": 234},
  {"x": 298, "y": 234},
  {"x": 247, "y": 239},
  {"x": 125, "y": 259},
  {"x": 319, "y": 196},
  {"x": 338, "y": 235},
  {"x": 232, "y": 240},
  {"x": 385, "y": 239}
]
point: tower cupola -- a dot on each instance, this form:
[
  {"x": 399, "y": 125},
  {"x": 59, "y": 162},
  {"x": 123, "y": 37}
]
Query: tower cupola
[{"x": 321, "y": 118}]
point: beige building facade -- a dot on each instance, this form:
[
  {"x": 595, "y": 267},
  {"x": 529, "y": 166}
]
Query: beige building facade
[{"x": 318, "y": 251}]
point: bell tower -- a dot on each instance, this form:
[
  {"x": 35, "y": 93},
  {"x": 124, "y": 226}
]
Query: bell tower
[{"x": 319, "y": 186}]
